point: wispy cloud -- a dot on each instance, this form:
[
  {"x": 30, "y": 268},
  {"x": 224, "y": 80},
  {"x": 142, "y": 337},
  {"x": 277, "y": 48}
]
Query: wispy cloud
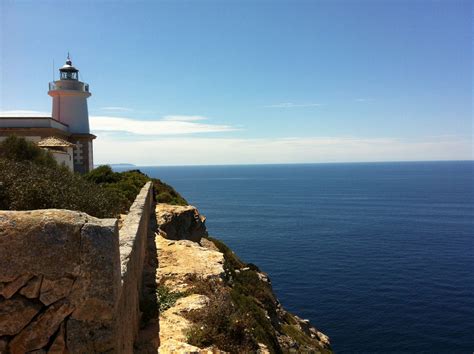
[
  {"x": 294, "y": 105},
  {"x": 24, "y": 113},
  {"x": 169, "y": 125},
  {"x": 363, "y": 99},
  {"x": 116, "y": 109},
  {"x": 200, "y": 150},
  {"x": 179, "y": 118}
]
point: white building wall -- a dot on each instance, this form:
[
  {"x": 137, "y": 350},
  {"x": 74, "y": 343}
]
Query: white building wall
[{"x": 64, "y": 158}]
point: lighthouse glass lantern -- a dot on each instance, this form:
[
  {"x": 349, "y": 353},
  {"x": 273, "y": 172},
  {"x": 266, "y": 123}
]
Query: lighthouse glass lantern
[{"x": 68, "y": 72}]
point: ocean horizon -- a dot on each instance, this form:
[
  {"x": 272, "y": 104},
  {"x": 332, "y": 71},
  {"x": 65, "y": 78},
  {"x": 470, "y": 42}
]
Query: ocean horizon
[
  {"x": 377, "y": 255},
  {"x": 125, "y": 166}
]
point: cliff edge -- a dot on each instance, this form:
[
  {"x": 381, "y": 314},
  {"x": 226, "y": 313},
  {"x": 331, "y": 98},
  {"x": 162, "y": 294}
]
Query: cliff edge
[{"x": 208, "y": 300}]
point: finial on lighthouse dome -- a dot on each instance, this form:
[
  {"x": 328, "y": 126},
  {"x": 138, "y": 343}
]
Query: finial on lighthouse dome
[{"x": 68, "y": 60}]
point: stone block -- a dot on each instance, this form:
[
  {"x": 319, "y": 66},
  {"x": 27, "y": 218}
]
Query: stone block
[
  {"x": 38, "y": 333},
  {"x": 54, "y": 290},
  {"x": 10, "y": 289},
  {"x": 32, "y": 289},
  {"x": 15, "y": 314}
]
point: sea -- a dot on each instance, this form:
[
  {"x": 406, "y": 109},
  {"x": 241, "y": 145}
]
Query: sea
[{"x": 378, "y": 256}]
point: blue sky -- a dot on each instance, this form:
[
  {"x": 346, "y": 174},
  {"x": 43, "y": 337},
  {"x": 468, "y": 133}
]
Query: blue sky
[{"x": 215, "y": 82}]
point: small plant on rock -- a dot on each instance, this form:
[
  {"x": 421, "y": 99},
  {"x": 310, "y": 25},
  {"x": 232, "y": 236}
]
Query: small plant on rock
[{"x": 167, "y": 298}]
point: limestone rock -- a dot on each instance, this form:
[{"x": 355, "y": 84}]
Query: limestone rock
[
  {"x": 179, "y": 259},
  {"x": 180, "y": 222},
  {"x": 32, "y": 289},
  {"x": 15, "y": 314},
  {"x": 172, "y": 346},
  {"x": 54, "y": 290},
  {"x": 10, "y": 289},
  {"x": 173, "y": 325},
  {"x": 38, "y": 333}
]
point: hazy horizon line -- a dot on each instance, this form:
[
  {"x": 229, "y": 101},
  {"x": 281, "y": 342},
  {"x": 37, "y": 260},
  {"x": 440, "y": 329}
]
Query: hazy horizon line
[{"x": 283, "y": 163}]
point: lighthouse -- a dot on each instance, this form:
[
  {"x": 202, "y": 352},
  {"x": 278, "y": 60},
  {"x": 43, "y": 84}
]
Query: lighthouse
[
  {"x": 70, "y": 99},
  {"x": 70, "y": 109}
]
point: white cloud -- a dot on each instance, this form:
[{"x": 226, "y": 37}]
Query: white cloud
[
  {"x": 168, "y": 125},
  {"x": 199, "y": 151},
  {"x": 178, "y": 118},
  {"x": 24, "y": 113},
  {"x": 116, "y": 109},
  {"x": 363, "y": 100},
  {"x": 294, "y": 105},
  {"x": 174, "y": 126}
]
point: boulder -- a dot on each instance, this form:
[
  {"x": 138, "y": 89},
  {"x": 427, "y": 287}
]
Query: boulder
[{"x": 177, "y": 222}]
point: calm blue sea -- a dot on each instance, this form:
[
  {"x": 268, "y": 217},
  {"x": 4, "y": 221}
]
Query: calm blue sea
[{"x": 379, "y": 256}]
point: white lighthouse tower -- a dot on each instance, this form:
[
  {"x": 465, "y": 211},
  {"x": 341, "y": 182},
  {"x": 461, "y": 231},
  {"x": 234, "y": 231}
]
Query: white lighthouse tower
[
  {"x": 70, "y": 99},
  {"x": 70, "y": 108}
]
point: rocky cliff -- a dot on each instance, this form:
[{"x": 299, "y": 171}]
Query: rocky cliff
[{"x": 207, "y": 300}]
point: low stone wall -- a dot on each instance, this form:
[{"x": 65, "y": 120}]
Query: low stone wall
[
  {"x": 133, "y": 241},
  {"x": 69, "y": 281}
]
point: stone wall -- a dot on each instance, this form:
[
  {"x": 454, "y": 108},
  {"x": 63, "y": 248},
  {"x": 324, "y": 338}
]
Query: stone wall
[
  {"x": 69, "y": 281},
  {"x": 133, "y": 241}
]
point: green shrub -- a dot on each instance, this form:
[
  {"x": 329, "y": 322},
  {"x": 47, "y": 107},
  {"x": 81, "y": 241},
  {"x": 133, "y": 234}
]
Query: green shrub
[
  {"x": 222, "y": 324},
  {"x": 27, "y": 186},
  {"x": 129, "y": 183},
  {"x": 166, "y": 297},
  {"x": 164, "y": 197},
  {"x": 164, "y": 193},
  {"x": 125, "y": 185},
  {"x": 19, "y": 149},
  {"x": 102, "y": 175},
  {"x": 30, "y": 179}
]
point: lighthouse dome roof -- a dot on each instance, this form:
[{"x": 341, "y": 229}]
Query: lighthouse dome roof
[{"x": 68, "y": 67}]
